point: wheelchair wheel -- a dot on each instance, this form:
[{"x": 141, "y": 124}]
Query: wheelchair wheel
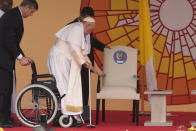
[
  {"x": 33, "y": 101},
  {"x": 65, "y": 121}
]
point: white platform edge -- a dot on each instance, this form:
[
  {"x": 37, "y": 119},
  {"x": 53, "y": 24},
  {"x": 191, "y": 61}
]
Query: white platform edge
[
  {"x": 165, "y": 92},
  {"x": 193, "y": 92},
  {"x": 193, "y": 123},
  {"x": 167, "y": 123}
]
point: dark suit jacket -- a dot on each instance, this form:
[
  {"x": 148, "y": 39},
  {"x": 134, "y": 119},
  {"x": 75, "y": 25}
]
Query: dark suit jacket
[
  {"x": 11, "y": 32},
  {"x": 95, "y": 44}
]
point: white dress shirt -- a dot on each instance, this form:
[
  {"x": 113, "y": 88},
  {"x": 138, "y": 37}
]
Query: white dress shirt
[{"x": 1, "y": 13}]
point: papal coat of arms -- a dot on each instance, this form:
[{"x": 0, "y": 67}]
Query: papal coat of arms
[{"x": 120, "y": 57}]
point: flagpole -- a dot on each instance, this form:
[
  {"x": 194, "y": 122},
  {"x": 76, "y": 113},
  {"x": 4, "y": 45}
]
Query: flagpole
[
  {"x": 142, "y": 90},
  {"x": 146, "y": 51}
]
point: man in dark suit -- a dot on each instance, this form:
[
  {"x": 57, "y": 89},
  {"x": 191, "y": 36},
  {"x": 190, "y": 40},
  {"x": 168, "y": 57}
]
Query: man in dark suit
[
  {"x": 95, "y": 44},
  {"x": 11, "y": 32}
]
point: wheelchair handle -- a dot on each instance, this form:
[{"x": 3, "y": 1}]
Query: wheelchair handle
[
  {"x": 33, "y": 67},
  {"x": 35, "y": 76}
]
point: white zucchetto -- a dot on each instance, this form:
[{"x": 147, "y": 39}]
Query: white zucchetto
[{"x": 89, "y": 19}]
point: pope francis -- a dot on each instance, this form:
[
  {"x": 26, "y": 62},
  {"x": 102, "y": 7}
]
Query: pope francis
[{"x": 65, "y": 60}]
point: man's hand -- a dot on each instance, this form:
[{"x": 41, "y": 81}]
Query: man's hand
[
  {"x": 94, "y": 70},
  {"x": 24, "y": 61},
  {"x": 88, "y": 65}
]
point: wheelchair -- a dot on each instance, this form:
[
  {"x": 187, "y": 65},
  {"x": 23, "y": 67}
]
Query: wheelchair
[{"x": 39, "y": 98}]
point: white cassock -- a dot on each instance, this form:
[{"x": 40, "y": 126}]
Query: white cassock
[{"x": 64, "y": 62}]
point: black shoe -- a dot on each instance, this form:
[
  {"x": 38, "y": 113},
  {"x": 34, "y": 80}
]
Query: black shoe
[
  {"x": 86, "y": 121},
  {"x": 76, "y": 124},
  {"x": 13, "y": 123},
  {"x": 5, "y": 125}
]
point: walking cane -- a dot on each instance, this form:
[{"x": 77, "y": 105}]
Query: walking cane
[{"x": 90, "y": 124}]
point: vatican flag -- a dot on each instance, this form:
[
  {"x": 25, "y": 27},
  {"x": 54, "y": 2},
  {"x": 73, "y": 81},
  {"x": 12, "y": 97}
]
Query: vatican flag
[{"x": 146, "y": 47}]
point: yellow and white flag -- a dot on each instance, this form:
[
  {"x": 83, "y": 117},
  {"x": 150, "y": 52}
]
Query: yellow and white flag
[{"x": 146, "y": 47}]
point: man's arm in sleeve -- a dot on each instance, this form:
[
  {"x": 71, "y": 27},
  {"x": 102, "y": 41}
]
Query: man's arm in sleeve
[
  {"x": 11, "y": 40},
  {"x": 97, "y": 44},
  {"x": 75, "y": 20}
]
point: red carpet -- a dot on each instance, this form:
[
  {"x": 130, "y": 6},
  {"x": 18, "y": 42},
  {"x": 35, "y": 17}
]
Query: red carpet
[{"x": 121, "y": 121}]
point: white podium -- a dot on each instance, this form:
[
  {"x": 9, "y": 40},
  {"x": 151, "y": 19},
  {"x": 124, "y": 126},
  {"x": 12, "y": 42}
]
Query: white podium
[
  {"x": 193, "y": 92},
  {"x": 158, "y": 108}
]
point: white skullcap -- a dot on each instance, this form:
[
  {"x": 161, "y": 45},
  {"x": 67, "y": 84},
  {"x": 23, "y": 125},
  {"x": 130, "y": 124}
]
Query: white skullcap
[{"x": 89, "y": 19}]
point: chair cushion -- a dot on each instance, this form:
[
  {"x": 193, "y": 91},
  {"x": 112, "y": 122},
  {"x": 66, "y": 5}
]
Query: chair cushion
[{"x": 118, "y": 92}]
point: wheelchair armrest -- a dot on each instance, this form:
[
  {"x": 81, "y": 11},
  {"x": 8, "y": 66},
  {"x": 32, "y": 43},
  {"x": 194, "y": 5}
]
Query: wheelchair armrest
[
  {"x": 35, "y": 77},
  {"x": 43, "y": 76}
]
